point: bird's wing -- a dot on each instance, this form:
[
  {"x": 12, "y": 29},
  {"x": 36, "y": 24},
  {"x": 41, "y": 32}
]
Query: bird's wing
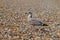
[{"x": 35, "y": 22}]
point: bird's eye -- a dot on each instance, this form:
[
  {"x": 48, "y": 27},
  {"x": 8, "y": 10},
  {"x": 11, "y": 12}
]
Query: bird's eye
[{"x": 30, "y": 13}]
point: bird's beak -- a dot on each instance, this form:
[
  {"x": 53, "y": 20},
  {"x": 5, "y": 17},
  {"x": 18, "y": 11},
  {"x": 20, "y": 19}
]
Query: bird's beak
[{"x": 26, "y": 13}]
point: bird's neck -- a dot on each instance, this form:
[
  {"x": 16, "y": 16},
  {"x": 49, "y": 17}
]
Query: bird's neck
[{"x": 29, "y": 17}]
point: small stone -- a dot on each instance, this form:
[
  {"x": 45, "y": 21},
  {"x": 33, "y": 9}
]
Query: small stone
[
  {"x": 37, "y": 38},
  {"x": 1, "y": 36},
  {"x": 15, "y": 37},
  {"x": 51, "y": 39}
]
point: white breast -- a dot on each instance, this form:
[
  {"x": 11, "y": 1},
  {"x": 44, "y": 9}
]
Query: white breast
[{"x": 29, "y": 17}]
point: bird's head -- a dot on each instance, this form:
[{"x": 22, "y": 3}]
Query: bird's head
[{"x": 29, "y": 13}]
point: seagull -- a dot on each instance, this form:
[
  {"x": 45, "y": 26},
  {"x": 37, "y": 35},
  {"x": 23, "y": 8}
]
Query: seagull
[{"x": 34, "y": 21}]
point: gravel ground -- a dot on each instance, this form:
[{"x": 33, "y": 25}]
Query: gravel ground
[{"x": 13, "y": 21}]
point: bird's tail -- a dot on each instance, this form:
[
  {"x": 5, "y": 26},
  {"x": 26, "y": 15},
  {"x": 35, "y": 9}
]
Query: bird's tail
[{"x": 45, "y": 25}]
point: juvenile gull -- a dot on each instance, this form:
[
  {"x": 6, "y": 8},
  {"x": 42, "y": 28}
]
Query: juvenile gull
[{"x": 34, "y": 21}]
